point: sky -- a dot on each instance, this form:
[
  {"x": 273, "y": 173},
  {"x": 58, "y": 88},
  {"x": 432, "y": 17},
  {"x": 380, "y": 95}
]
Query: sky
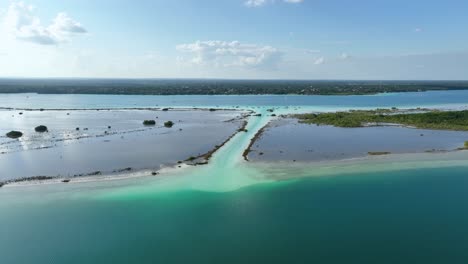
[{"x": 235, "y": 39}]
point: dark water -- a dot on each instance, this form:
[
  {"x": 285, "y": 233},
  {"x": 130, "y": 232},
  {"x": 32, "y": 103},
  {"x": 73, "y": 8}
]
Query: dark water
[{"x": 416, "y": 216}]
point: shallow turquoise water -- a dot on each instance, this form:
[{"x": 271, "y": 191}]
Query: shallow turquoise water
[
  {"x": 413, "y": 99},
  {"x": 414, "y": 216}
]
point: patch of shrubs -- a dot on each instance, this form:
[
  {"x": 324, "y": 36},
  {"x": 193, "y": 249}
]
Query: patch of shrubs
[
  {"x": 168, "y": 124},
  {"x": 149, "y": 122},
  {"x": 14, "y": 134},
  {"x": 41, "y": 129}
]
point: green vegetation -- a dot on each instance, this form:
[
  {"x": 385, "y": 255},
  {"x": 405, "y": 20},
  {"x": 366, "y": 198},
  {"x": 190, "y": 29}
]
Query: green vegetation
[
  {"x": 466, "y": 145},
  {"x": 149, "y": 122},
  {"x": 168, "y": 124},
  {"x": 378, "y": 153},
  {"x": 41, "y": 129},
  {"x": 14, "y": 134},
  {"x": 211, "y": 87},
  {"x": 444, "y": 120}
]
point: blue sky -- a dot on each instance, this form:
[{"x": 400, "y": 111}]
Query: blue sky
[{"x": 259, "y": 39}]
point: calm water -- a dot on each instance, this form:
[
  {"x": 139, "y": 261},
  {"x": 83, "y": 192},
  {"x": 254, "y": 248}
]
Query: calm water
[
  {"x": 230, "y": 211},
  {"x": 286, "y": 139},
  {"x": 454, "y": 98},
  {"x": 416, "y": 216},
  {"x": 65, "y": 152}
]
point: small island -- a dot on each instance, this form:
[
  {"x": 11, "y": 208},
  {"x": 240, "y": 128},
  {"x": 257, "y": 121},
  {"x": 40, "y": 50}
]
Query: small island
[
  {"x": 168, "y": 124},
  {"x": 14, "y": 134},
  {"x": 41, "y": 129},
  {"x": 427, "y": 119},
  {"x": 149, "y": 122}
]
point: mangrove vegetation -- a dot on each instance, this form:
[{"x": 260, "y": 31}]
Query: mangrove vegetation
[
  {"x": 14, "y": 134},
  {"x": 442, "y": 120}
]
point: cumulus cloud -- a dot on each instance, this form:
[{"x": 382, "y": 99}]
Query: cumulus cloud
[
  {"x": 21, "y": 22},
  {"x": 226, "y": 54}
]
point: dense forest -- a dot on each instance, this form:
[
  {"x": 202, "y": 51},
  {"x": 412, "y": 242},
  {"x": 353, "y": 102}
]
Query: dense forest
[{"x": 219, "y": 87}]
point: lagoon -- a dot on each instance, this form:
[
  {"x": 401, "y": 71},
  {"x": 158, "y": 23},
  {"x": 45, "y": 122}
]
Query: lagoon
[{"x": 408, "y": 208}]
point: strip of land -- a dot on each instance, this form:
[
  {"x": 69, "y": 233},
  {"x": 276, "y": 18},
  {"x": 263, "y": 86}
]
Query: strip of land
[
  {"x": 220, "y": 87},
  {"x": 257, "y": 135},
  {"x": 434, "y": 119}
]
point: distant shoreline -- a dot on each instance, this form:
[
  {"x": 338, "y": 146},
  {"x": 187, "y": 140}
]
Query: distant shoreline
[{"x": 220, "y": 87}]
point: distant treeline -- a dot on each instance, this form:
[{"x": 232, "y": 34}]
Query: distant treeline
[{"x": 219, "y": 87}]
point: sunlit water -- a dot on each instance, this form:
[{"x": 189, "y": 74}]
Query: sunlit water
[
  {"x": 406, "y": 100},
  {"x": 107, "y": 141},
  {"x": 399, "y": 209}
]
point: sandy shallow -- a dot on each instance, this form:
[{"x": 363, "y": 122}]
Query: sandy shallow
[{"x": 211, "y": 178}]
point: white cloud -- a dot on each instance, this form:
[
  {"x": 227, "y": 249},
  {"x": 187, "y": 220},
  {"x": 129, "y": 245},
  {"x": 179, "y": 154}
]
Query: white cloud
[
  {"x": 417, "y": 30},
  {"x": 21, "y": 22},
  {"x": 319, "y": 61},
  {"x": 225, "y": 54},
  {"x": 255, "y": 3}
]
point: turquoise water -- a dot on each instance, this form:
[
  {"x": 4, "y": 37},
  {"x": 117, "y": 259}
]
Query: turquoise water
[
  {"x": 46, "y": 101},
  {"x": 412, "y": 216},
  {"x": 382, "y": 210}
]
